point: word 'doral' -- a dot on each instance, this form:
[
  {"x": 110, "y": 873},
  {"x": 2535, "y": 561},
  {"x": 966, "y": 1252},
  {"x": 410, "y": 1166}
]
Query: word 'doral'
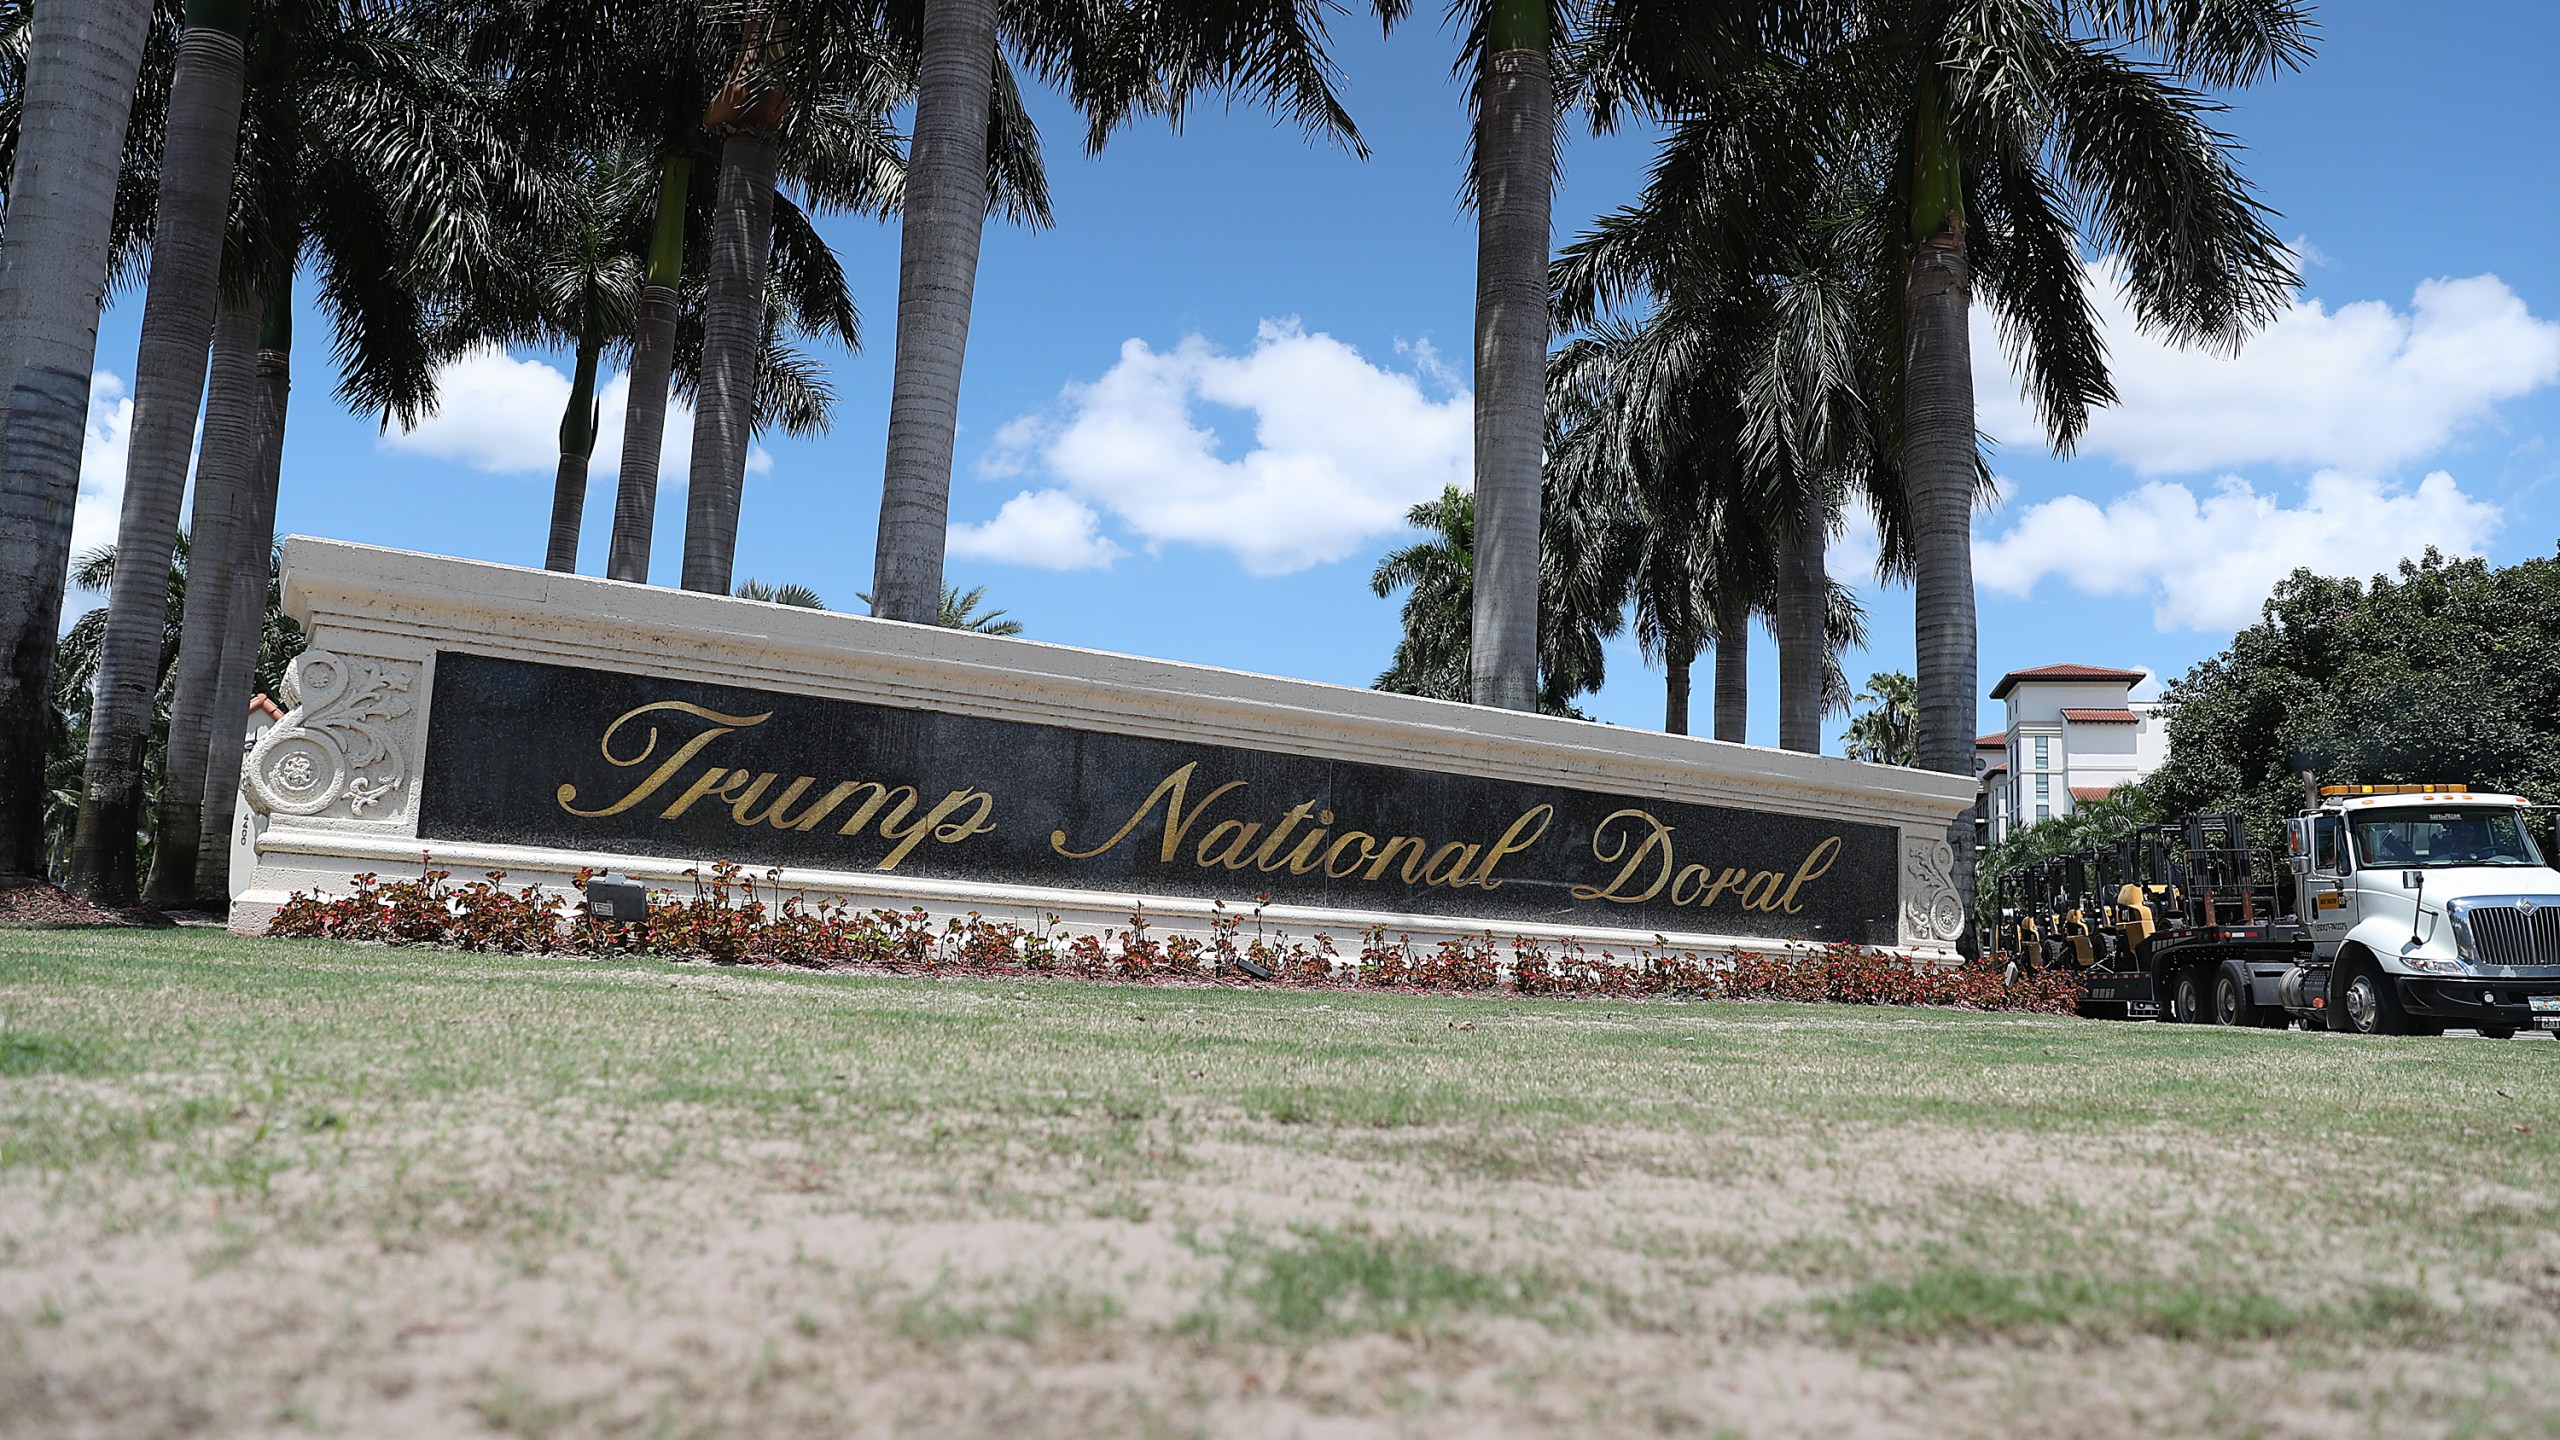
[
  {"x": 751, "y": 799},
  {"x": 1639, "y": 844}
]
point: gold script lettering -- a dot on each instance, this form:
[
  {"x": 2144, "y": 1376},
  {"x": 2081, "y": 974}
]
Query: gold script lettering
[
  {"x": 1815, "y": 866},
  {"x": 1656, "y": 835},
  {"x": 1177, "y": 822},
  {"x": 1512, "y": 843},
  {"x": 724, "y": 724},
  {"x": 938, "y": 823}
]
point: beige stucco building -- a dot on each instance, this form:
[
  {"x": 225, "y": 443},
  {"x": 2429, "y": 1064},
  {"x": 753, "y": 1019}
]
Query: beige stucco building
[{"x": 2074, "y": 733}]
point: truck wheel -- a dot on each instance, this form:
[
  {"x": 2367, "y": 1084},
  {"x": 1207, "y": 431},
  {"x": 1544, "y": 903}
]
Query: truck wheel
[
  {"x": 2232, "y": 1002},
  {"x": 2187, "y": 1001},
  {"x": 2366, "y": 1001},
  {"x": 2497, "y": 1032}
]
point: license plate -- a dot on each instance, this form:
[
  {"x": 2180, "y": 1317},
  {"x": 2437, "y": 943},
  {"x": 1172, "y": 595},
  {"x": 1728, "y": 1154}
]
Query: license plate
[
  {"x": 2546, "y": 1022},
  {"x": 2545, "y": 1004}
]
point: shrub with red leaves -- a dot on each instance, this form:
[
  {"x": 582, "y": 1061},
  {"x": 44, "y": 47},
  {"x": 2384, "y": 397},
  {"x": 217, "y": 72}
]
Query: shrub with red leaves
[{"x": 735, "y": 918}]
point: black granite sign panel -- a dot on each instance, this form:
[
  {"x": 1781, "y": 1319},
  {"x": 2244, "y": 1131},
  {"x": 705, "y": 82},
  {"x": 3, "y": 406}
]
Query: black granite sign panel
[{"x": 614, "y": 764}]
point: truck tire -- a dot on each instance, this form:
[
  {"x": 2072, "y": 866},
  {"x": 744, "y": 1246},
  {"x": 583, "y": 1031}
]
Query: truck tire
[
  {"x": 2190, "y": 997},
  {"x": 2233, "y": 1004},
  {"x": 2497, "y": 1032},
  {"x": 2366, "y": 1003}
]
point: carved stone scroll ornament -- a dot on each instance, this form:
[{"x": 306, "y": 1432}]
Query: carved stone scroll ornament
[
  {"x": 342, "y": 741},
  {"x": 1931, "y": 908}
]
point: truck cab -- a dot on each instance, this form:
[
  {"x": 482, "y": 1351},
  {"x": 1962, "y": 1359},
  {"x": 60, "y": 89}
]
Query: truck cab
[{"x": 2424, "y": 907}]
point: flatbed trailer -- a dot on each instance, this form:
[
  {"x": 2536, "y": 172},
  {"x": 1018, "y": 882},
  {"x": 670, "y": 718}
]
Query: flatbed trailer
[{"x": 2188, "y": 922}]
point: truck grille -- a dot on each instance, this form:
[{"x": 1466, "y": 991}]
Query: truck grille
[{"x": 2506, "y": 935}]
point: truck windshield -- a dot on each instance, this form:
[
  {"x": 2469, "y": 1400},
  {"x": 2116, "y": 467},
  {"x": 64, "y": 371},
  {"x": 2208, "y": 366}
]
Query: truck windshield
[{"x": 2435, "y": 839}]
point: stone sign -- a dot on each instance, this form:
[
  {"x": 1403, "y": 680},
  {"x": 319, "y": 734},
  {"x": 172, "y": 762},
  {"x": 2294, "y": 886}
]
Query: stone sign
[{"x": 514, "y": 719}]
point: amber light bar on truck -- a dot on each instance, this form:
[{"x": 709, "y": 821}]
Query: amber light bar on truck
[{"x": 2330, "y": 791}]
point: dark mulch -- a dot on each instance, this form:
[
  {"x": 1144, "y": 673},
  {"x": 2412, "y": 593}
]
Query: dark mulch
[{"x": 33, "y": 902}]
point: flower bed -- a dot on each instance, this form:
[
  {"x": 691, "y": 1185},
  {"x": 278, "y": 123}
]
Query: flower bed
[{"x": 734, "y": 918}]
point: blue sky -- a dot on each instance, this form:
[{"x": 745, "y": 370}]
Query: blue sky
[{"x": 1195, "y": 408}]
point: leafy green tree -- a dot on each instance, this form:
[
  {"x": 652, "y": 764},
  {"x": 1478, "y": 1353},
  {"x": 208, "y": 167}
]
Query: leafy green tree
[
  {"x": 2442, "y": 672},
  {"x": 70, "y": 95},
  {"x": 1881, "y": 733}
]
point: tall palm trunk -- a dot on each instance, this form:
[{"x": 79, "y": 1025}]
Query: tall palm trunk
[
  {"x": 1804, "y": 601},
  {"x": 224, "y": 469},
  {"x": 1515, "y": 173},
  {"x": 653, "y": 353},
  {"x": 81, "y": 64},
  {"x": 1678, "y": 659},
  {"x": 732, "y": 344},
  {"x": 943, "y": 222},
  {"x": 1939, "y": 455},
  {"x": 246, "y": 627},
  {"x": 168, "y": 387},
  {"x": 578, "y": 421},
  {"x": 1733, "y": 673},
  {"x": 1939, "y": 459}
]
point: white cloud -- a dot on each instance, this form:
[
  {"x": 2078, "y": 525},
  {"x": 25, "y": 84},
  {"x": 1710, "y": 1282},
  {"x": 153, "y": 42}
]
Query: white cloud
[
  {"x": 1341, "y": 448},
  {"x": 2209, "y": 562},
  {"x": 94, "y": 516},
  {"x": 501, "y": 414},
  {"x": 1045, "y": 529},
  {"x": 2364, "y": 385}
]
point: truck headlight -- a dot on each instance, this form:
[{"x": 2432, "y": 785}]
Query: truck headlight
[{"x": 2433, "y": 964}]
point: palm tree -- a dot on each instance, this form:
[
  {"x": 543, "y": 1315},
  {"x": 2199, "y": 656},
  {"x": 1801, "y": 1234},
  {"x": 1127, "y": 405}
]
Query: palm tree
[
  {"x": 273, "y": 640},
  {"x": 584, "y": 79},
  {"x": 2007, "y": 148},
  {"x": 364, "y": 143},
  {"x": 225, "y": 471},
  {"x": 257, "y": 637},
  {"x": 786, "y": 594},
  {"x": 1754, "y": 353},
  {"x": 959, "y": 611},
  {"x": 1631, "y": 50},
  {"x": 1437, "y": 573},
  {"x": 74, "y": 98},
  {"x": 1114, "y": 61},
  {"x": 1881, "y": 734},
  {"x": 1514, "y": 184},
  {"x": 585, "y": 276},
  {"x": 199, "y": 142},
  {"x": 747, "y": 114},
  {"x": 1439, "y": 610}
]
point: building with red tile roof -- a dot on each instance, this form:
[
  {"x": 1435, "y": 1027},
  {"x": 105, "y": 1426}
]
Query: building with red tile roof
[{"x": 2075, "y": 733}]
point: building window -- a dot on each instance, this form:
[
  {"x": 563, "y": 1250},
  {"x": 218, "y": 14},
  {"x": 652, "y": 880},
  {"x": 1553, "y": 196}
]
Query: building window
[
  {"x": 2044, "y": 787},
  {"x": 2044, "y": 812},
  {"x": 2044, "y": 753}
]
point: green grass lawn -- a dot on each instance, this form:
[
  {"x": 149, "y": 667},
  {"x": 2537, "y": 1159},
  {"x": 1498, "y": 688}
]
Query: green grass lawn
[{"x": 253, "y": 1187}]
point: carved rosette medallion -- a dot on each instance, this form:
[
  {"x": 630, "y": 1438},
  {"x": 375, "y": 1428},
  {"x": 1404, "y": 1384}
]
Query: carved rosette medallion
[
  {"x": 343, "y": 743},
  {"x": 1932, "y": 911}
]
